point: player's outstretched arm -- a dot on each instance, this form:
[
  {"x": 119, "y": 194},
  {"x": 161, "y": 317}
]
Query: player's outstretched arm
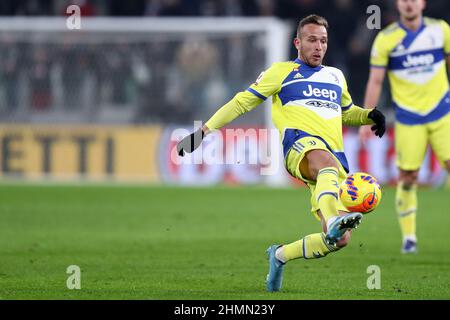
[
  {"x": 265, "y": 86},
  {"x": 240, "y": 104}
]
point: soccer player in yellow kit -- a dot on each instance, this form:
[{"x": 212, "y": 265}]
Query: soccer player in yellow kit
[
  {"x": 414, "y": 51},
  {"x": 310, "y": 104}
]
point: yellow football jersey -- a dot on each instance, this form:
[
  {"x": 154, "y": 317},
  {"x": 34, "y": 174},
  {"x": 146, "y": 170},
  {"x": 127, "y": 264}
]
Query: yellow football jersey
[
  {"x": 306, "y": 101},
  {"x": 416, "y": 65}
]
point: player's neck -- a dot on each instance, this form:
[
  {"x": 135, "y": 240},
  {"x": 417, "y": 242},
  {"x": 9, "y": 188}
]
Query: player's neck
[
  {"x": 303, "y": 61},
  {"x": 412, "y": 25}
]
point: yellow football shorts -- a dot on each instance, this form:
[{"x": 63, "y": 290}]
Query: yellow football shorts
[
  {"x": 411, "y": 142},
  {"x": 292, "y": 162}
]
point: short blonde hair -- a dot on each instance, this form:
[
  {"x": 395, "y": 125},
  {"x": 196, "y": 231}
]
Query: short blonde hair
[{"x": 312, "y": 19}]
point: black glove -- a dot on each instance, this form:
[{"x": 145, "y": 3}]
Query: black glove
[
  {"x": 190, "y": 143},
  {"x": 380, "y": 122}
]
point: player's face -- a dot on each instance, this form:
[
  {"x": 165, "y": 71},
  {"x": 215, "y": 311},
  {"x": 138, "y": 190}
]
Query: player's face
[
  {"x": 410, "y": 9},
  {"x": 312, "y": 44}
]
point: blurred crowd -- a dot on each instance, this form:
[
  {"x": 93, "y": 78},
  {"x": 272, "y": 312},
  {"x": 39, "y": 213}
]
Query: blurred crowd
[
  {"x": 280, "y": 8},
  {"x": 163, "y": 79},
  {"x": 155, "y": 79}
]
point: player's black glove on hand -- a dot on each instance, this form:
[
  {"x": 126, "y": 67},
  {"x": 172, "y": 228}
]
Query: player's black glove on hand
[
  {"x": 190, "y": 143},
  {"x": 380, "y": 122}
]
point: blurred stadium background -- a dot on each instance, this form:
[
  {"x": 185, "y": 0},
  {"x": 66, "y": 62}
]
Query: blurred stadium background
[{"x": 100, "y": 103}]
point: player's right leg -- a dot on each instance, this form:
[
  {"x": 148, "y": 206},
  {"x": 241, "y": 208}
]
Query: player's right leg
[
  {"x": 312, "y": 163},
  {"x": 313, "y": 246},
  {"x": 409, "y": 159}
]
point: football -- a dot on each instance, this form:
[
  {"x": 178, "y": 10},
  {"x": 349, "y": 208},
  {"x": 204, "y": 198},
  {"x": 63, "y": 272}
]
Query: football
[{"x": 360, "y": 192}]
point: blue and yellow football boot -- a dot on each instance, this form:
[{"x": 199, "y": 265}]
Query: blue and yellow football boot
[
  {"x": 275, "y": 276},
  {"x": 340, "y": 225}
]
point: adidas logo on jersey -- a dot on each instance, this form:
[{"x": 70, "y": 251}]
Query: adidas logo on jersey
[
  {"x": 420, "y": 60},
  {"x": 325, "y": 93},
  {"x": 298, "y": 76}
]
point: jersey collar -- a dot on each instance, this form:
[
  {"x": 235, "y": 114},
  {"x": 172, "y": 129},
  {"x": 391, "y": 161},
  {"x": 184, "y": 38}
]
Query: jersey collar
[
  {"x": 409, "y": 31},
  {"x": 307, "y": 67},
  {"x": 410, "y": 35}
]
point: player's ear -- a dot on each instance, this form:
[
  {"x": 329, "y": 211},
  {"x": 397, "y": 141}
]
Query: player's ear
[
  {"x": 424, "y": 4},
  {"x": 297, "y": 43}
]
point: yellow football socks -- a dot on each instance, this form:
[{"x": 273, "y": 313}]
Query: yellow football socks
[
  {"x": 406, "y": 205},
  {"x": 327, "y": 192},
  {"x": 312, "y": 246}
]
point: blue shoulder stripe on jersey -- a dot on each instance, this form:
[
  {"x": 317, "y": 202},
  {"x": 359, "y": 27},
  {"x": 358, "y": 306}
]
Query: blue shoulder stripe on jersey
[
  {"x": 292, "y": 135},
  {"x": 410, "y": 118},
  {"x": 410, "y": 35},
  {"x": 416, "y": 59},
  {"x": 256, "y": 93},
  {"x": 347, "y": 107}
]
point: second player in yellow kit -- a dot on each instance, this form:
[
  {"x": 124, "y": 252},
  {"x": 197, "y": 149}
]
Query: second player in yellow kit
[
  {"x": 310, "y": 103},
  {"x": 414, "y": 52}
]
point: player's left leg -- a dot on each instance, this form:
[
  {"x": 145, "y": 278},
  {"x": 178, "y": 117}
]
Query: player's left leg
[{"x": 314, "y": 245}]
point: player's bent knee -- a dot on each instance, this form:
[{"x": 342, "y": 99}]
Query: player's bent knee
[
  {"x": 409, "y": 178},
  {"x": 316, "y": 160}
]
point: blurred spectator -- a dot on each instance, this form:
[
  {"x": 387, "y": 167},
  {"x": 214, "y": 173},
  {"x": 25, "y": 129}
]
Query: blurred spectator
[
  {"x": 118, "y": 67},
  {"x": 196, "y": 72},
  {"x": 10, "y": 69},
  {"x": 266, "y": 8},
  {"x": 127, "y": 8},
  {"x": 87, "y": 8},
  {"x": 32, "y": 7},
  {"x": 39, "y": 76},
  {"x": 172, "y": 8},
  {"x": 295, "y": 9},
  {"x": 75, "y": 63}
]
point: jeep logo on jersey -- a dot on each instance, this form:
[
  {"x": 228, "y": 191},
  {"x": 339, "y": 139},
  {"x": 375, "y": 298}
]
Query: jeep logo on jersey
[
  {"x": 320, "y": 93},
  {"x": 420, "y": 60}
]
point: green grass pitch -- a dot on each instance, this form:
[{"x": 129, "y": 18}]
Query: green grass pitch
[{"x": 205, "y": 243}]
